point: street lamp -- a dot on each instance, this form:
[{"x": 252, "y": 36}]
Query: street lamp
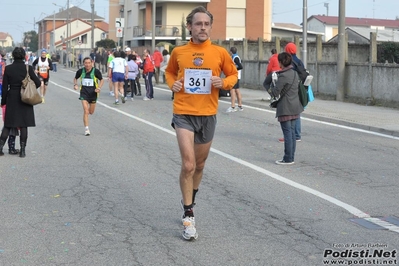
[
  {"x": 67, "y": 24},
  {"x": 21, "y": 29},
  {"x": 92, "y": 24}
]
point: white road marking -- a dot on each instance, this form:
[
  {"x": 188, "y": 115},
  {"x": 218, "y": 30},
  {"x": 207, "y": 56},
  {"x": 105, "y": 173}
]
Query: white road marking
[{"x": 351, "y": 209}]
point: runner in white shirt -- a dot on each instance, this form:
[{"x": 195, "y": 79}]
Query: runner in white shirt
[{"x": 119, "y": 69}]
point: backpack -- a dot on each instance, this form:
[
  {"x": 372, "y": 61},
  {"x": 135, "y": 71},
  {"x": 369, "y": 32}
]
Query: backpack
[
  {"x": 301, "y": 70},
  {"x": 304, "y": 77},
  {"x": 303, "y": 94}
]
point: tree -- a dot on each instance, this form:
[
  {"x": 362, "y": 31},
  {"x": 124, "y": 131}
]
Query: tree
[
  {"x": 31, "y": 40},
  {"x": 106, "y": 44},
  {"x": 183, "y": 29}
]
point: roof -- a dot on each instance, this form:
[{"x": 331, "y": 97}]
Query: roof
[
  {"x": 349, "y": 21},
  {"x": 382, "y": 35},
  {"x": 286, "y": 25},
  {"x": 4, "y": 35},
  {"x": 75, "y": 12}
]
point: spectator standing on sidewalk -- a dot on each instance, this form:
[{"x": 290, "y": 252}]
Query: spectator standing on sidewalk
[
  {"x": 99, "y": 58},
  {"x": 18, "y": 115},
  {"x": 273, "y": 65},
  {"x": 235, "y": 92},
  {"x": 291, "y": 49},
  {"x": 148, "y": 73},
  {"x": 104, "y": 61},
  {"x": 54, "y": 60},
  {"x": 79, "y": 60},
  {"x": 164, "y": 63},
  {"x": 139, "y": 63},
  {"x": 288, "y": 107},
  {"x": 157, "y": 57},
  {"x": 193, "y": 74},
  {"x": 133, "y": 71}
]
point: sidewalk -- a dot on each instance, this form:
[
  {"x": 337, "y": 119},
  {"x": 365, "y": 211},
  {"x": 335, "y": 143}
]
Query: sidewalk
[{"x": 373, "y": 118}]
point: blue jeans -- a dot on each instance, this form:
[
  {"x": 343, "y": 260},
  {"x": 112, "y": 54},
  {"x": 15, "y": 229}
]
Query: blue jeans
[
  {"x": 148, "y": 85},
  {"x": 54, "y": 67},
  {"x": 288, "y": 128},
  {"x": 298, "y": 128}
]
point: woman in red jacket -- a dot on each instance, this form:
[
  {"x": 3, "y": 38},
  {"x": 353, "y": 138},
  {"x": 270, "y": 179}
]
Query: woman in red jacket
[
  {"x": 273, "y": 65},
  {"x": 148, "y": 73}
]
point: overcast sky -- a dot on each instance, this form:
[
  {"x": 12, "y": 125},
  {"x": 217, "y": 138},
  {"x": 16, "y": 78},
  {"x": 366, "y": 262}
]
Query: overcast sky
[{"x": 18, "y": 16}]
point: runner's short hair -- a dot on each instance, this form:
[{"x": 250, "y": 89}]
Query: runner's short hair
[{"x": 198, "y": 9}]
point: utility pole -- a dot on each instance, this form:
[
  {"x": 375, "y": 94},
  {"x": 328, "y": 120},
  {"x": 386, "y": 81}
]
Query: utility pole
[
  {"x": 92, "y": 24},
  {"x": 53, "y": 39},
  {"x": 305, "y": 33},
  {"x": 154, "y": 12},
  {"x": 68, "y": 26},
  {"x": 341, "y": 53}
]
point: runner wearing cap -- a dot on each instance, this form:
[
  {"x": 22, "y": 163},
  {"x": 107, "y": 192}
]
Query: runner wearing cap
[{"x": 42, "y": 66}]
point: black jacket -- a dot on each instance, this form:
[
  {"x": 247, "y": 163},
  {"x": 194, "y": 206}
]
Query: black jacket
[{"x": 18, "y": 114}]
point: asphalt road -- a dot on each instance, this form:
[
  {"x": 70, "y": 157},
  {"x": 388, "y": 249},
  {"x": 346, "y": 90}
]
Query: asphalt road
[{"x": 113, "y": 198}]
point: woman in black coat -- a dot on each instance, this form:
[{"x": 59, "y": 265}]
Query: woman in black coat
[{"x": 18, "y": 114}]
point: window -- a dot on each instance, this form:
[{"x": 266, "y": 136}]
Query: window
[{"x": 83, "y": 38}]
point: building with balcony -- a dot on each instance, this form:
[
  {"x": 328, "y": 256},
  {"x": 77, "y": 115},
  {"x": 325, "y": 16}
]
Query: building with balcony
[
  {"x": 70, "y": 28},
  {"x": 233, "y": 19}
]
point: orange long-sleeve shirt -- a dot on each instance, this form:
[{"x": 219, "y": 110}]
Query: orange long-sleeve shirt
[{"x": 206, "y": 56}]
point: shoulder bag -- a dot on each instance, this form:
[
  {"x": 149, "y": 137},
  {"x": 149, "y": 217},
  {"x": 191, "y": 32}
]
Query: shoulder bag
[{"x": 29, "y": 93}]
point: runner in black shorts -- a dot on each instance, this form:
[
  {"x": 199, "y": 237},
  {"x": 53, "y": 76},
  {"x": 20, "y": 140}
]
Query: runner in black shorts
[
  {"x": 91, "y": 81},
  {"x": 42, "y": 66}
]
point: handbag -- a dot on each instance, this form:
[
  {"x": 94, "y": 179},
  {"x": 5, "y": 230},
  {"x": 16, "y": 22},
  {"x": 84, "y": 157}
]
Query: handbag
[
  {"x": 310, "y": 94},
  {"x": 29, "y": 93}
]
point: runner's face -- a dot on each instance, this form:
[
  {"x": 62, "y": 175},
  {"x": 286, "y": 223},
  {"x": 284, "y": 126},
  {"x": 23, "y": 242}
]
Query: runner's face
[
  {"x": 200, "y": 28},
  {"x": 88, "y": 65},
  {"x": 44, "y": 54}
]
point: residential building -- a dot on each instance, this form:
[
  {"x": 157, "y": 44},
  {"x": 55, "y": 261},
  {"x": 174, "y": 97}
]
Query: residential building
[
  {"x": 234, "y": 19},
  {"x": 329, "y": 24},
  {"x": 70, "y": 28},
  {"x": 288, "y": 32},
  {"x": 362, "y": 35},
  {"x": 5, "y": 39}
]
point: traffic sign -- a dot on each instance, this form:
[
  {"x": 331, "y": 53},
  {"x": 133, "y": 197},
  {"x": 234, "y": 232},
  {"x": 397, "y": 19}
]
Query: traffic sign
[
  {"x": 119, "y": 22},
  {"x": 64, "y": 47},
  {"x": 119, "y": 32}
]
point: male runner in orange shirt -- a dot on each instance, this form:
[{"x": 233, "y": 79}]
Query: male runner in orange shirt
[{"x": 193, "y": 74}]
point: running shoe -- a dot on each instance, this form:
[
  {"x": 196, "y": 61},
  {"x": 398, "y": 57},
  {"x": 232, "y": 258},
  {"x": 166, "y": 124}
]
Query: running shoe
[
  {"x": 43, "y": 101},
  {"x": 146, "y": 98},
  {"x": 231, "y": 110},
  {"x": 282, "y": 162},
  {"x": 281, "y": 140},
  {"x": 87, "y": 132},
  {"x": 189, "y": 232},
  {"x": 240, "y": 108},
  {"x": 123, "y": 99},
  {"x": 111, "y": 93},
  {"x": 116, "y": 103}
]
